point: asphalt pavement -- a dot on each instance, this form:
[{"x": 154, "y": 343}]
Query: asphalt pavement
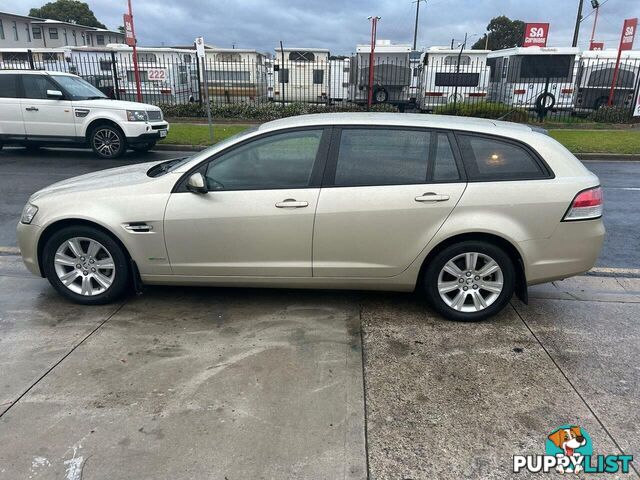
[{"x": 23, "y": 172}]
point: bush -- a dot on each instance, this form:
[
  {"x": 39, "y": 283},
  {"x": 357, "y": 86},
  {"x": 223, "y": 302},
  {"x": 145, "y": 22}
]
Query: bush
[
  {"x": 484, "y": 110},
  {"x": 611, "y": 115},
  {"x": 264, "y": 111}
]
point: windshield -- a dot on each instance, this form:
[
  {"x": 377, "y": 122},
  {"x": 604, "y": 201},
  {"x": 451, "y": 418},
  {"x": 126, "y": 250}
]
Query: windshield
[{"x": 77, "y": 88}]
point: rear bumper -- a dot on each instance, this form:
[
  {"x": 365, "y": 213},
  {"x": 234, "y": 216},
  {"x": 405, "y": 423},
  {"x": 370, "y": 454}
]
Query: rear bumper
[{"x": 571, "y": 250}]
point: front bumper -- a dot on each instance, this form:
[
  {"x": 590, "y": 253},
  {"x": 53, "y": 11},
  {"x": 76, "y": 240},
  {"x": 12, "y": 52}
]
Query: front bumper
[
  {"x": 145, "y": 132},
  {"x": 28, "y": 237}
]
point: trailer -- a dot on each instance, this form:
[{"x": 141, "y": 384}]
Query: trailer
[
  {"x": 534, "y": 78},
  {"x": 236, "y": 75},
  {"x": 452, "y": 75},
  {"x": 595, "y": 77},
  {"x": 392, "y": 74},
  {"x": 52, "y": 59},
  {"x": 301, "y": 75},
  {"x": 339, "y": 79}
]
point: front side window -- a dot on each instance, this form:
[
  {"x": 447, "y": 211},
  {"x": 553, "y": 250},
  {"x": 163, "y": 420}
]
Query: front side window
[
  {"x": 53, "y": 33},
  {"x": 77, "y": 88},
  {"x": 487, "y": 158},
  {"x": 379, "y": 156},
  {"x": 36, "y": 86},
  {"x": 283, "y": 160},
  {"x": 8, "y": 85}
]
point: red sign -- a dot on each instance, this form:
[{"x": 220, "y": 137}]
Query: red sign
[
  {"x": 535, "y": 34},
  {"x": 628, "y": 33},
  {"x": 596, "y": 46},
  {"x": 129, "y": 38}
]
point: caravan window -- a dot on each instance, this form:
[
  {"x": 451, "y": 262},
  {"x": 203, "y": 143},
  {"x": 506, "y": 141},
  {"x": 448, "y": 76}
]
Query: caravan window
[
  {"x": 457, "y": 79},
  {"x": 604, "y": 78},
  {"x": 228, "y": 76},
  {"x": 283, "y": 75},
  {"x": 50, "y": 57},
  {"x": 546, "y": 66},
  {"x": 318, "y": 77},
  {"x": 105, "y": 65},
  {"x": 302, "y": 57},
  {"x": 186, "y": 58},
  {"x": 147, "y": 57},
  {"x": 453, "y": 60},
  {"x": 228, "y": 57}
]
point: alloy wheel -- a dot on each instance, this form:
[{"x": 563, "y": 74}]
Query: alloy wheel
[
  {"x": 106, "y": 142},
  {"x": 470, "y": 282},
  {"x": 84, "y": 266}
]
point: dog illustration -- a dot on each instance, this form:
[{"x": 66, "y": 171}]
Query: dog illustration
[{"x": 568, "y": 440}]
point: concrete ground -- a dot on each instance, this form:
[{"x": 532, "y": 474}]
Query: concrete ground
[{"x": 241, "y": 384}]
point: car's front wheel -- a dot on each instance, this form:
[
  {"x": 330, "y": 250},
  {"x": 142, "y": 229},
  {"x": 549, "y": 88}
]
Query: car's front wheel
[
  {"x": 470, "y": 281},
  {"x": 86, "y": 265},
  {"x": 107, "y": 141}
]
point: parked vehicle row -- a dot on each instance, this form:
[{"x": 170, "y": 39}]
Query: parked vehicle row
[{"x": 533, "y": 78}]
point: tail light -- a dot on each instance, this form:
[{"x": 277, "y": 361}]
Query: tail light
[
  {"x": 478, "y": 94},
  {"x": 587, "y": 205},
  {"x": 520, "y": 92},
  {"x": 165, "y": 91},
  {"x": 434, "y": 94},
  {"x": 567, "y": 90}
]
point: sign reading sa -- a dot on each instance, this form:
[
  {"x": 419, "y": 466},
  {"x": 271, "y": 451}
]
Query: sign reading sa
[
  {"x": 535, "y": 34},
  {"x": 628, "y": 33},
  {"x": 128, "y": 30},
  {"x": 596, "y": 46}
]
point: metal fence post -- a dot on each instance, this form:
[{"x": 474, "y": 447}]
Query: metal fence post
[
  {"x": 114, "y": 71},
  {"x": 30, "y": 57}
]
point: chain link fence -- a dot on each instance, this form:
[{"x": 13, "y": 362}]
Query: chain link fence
[{"x": 523, "y": 88}]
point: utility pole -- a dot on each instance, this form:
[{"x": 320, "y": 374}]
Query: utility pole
[
  {"x": 415, "y": 30},
  {"x": 374, "y": 28},
  {"x": 576, "y": 32},
  {"x": 596, "y": 6},
  {"x": 136, "y": 72}
]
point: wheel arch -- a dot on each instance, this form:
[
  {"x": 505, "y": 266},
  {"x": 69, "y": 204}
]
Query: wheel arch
[
  {"x": 58, "y": 225},
  {"x": 102, "y": 121},
  {"x": 497, "y": 240}
]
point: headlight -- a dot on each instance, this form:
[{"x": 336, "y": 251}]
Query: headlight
[
  {"x": 28, "y": 212},
  {"x": 136, "y": 115}
]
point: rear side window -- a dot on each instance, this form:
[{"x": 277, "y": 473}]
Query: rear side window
[
  {"x": 488, "y": 159},
  {"x": 8, "y": 86},
  {"x": 382, "y": 157}
]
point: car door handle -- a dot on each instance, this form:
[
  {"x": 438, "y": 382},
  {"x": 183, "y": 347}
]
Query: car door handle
[
  {"x": 432, "y": 197},
  {"x": 291, "y": 203},
  {"x": 31, "y": 109}
]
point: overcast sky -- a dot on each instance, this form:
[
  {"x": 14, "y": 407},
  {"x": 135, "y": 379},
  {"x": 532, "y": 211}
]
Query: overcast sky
[{"x": 340, "y": 24}]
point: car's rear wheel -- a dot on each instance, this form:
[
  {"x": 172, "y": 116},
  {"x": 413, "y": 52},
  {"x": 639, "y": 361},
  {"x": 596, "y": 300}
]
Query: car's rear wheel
[
  {"x": 86, "y": 265},
  {"x": 107, "y": 141},
  {"x": 470, "y": 281}
]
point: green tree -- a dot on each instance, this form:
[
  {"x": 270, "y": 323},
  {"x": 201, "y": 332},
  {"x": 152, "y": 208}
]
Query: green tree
[
  {"x": 503, "y": 33},
  {"x": 72, "y": 11}
]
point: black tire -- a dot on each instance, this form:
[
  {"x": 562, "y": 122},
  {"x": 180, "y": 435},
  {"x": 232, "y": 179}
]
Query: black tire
[
  {"x": 121, "y": 279},
  {"x": 437, "y": 263},
  {"x": 144, "y": 147},
  {"x": 545, "y": 101},
  {"x": 600, "y": 102},
  {"x": 380, "y": 95},
  {"x": 102, "y": 141}
]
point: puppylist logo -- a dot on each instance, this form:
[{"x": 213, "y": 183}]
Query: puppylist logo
[{"x": 568, "y": 449}]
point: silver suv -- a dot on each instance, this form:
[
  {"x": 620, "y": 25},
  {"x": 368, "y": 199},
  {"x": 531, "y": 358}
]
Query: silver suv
[
  {"x": 467, "y": 211},
  {"x": 40, "y": 108}
]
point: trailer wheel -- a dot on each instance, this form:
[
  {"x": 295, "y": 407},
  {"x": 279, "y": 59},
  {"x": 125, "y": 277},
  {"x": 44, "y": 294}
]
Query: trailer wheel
[
  {"x": 545, "y": 101},
  {"x": 380, "y": 95},
  {"x": 600, "y": 102}
]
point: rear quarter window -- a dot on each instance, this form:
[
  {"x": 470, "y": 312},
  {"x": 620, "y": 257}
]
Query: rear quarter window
[{"x": 490, "y": 158}]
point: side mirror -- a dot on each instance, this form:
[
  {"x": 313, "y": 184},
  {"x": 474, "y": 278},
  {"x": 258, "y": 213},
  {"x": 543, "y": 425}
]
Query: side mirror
[
  {"x": 197, "y": 184},
  {"x": 55, "y": 94}
]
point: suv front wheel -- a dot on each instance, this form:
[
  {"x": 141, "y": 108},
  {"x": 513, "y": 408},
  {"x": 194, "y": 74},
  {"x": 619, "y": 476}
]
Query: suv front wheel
[
  {"x": 470, "y": 281},
  {"x": 107, "y": 141}
]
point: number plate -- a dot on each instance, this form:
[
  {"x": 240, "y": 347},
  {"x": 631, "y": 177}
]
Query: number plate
[{"x": 163, "y": 133}]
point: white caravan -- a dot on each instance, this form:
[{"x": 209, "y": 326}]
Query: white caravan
[
  {"x": 339, "y": 79},
  {"x": 534, "y": 77},
  {"x": 452, "y": 75},
  {"x": 51, "y": 59},
  {"x": 301, "y": 75},
  {"x": 392, "y": 74},
  {"x": 235, "y": 75},
  {"x": 595, "y": 76}
]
